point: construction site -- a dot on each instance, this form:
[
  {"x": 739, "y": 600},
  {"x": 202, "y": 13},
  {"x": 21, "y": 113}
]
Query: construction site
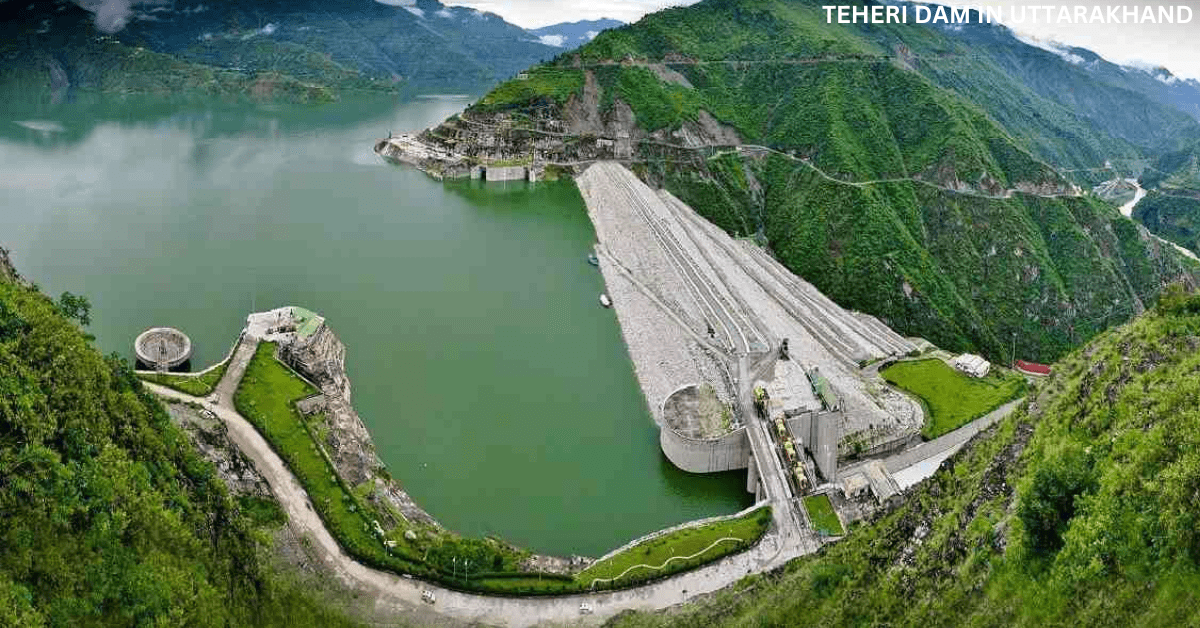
[{"x": 743, "y": 364}]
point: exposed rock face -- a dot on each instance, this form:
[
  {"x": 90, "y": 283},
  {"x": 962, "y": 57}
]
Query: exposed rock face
[
  {"x": 7, "y": 272},
  {"x": 322, "y": 359},
  {"x": 210, "y": 436},
  {"x": 577, "y": 132}
]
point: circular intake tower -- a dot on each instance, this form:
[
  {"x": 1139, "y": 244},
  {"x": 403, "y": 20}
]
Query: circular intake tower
[
  {"x": 162, "y": 348},
  {"x": 698, "y": 434}
]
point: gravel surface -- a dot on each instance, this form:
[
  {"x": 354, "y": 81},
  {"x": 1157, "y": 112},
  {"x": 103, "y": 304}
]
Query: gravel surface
[{"x": 672, "y": 274}]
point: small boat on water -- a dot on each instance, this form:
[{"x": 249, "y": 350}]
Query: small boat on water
[
  {"x": 604, "y": 300},
  {"x": 593, "y": 260}
]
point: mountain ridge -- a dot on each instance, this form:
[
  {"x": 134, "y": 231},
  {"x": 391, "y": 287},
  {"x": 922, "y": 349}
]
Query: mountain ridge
[{"x": 890, "y": 191}]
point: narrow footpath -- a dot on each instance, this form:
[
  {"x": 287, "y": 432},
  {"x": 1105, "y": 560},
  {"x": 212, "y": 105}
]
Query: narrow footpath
[{"x": 400, "y": 597}]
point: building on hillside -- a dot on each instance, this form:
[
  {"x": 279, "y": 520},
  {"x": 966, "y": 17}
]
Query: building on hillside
[
  {"x": 1033, "y": 368},
  {"x": 972, "y": 365}
]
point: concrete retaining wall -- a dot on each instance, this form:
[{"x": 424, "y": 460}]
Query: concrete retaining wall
[
  {"x": 727, "y": 453},
  {"x": 504, "y": 173},
  {"x": 820, "y": 433}
]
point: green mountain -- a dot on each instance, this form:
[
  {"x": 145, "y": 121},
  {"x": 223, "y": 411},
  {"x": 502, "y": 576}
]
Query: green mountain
[
  {"x": 1174, "y": 216},
  {"x": 898, "y": 171},
  {"x": 1078, "y": 510},
  {"x": 111, "y": 518},
  {"x": 283, "y": 50}
]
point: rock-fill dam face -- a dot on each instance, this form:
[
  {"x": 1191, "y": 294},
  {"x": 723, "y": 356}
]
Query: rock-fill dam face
[{"x": 696, "y": 306}]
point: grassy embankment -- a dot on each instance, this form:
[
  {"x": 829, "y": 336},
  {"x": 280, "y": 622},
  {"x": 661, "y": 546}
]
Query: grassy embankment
[
  {"x": 195, "y": 385},
  {"x": 267, "y": 397},
  {"x": 952, "y": 399},
  {"x": 702, "y": 544},
  {"x": 824, "y": 519}
]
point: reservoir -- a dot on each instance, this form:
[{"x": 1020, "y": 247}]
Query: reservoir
[{"x": 498, "y": 392}]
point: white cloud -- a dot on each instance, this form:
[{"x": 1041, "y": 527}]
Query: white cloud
[
  {"x": 268, "y": 29},
  {"x": 1171, "y": 45},
  {"x": 1062, "y": 50},
  {"x": 111, "y": 15},
  {"x": 553, "y": 40},
  {"x": 590, "y": 35},
  {"x": 446, "y": 13},
  {"x": 539, "y": 13}
]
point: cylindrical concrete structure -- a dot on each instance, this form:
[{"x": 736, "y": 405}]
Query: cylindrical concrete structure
[
  {"x": 162, "y": 348},
  {"x": 687, "y": 446},
  {"x": 727, "y": 453}
]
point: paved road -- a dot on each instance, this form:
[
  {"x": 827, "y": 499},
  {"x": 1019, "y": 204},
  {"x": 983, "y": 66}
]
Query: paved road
[
  {"x": 401, "y": 597},
  {"x": 940, "y": 447}
]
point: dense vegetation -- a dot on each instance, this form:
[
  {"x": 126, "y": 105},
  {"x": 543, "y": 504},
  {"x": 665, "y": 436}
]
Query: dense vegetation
[
  {"x": 110, "y": 517},
  {"x": 952, "y": 399},
  {"x": 292, "y": 51},
  {"x": 895, "y": 152},
  {"x": 1081, "y": 509},
  {"x": 71, "y": 56},
  {"x": 1176, "y": 218}
]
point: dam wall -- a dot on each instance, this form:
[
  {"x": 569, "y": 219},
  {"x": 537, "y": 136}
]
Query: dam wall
[{"x": 728, "y": 453}]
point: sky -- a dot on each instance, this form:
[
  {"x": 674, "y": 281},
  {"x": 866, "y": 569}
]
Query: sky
[{"x": 1177, "y": 47}]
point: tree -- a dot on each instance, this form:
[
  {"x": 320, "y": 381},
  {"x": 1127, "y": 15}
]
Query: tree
[{"x": 75, "y": 307}]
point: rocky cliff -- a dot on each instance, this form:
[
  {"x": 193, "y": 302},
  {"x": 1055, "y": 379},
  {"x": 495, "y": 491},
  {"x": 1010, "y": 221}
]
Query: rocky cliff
[
  {"x": 321, "y": 358},
  {"x": 7, "y": 271}
]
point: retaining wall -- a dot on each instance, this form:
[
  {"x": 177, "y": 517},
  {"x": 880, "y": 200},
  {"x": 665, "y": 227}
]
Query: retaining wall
[
  {"x": 727, "y": 453},
  {"x": 504, "y": 173}
]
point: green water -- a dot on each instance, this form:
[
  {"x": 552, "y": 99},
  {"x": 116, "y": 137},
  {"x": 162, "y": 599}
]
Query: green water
[{"x": 498, "y": 392}]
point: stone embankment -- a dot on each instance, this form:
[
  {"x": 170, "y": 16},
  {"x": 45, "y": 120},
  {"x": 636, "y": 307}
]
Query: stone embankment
[{"x": 691, "y": 299}]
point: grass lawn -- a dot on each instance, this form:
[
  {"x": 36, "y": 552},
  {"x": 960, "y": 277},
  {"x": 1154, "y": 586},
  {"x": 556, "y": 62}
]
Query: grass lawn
[
  {"x": 952, "y": 399},
  {"x": 824, "y": 519},
  {"x": 266, "y": 397},
  {"x": 194, "y": 385},
  {"x": 747, "y": 529}
]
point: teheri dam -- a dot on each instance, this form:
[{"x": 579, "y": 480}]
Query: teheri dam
[{"x": 744, "y": 365}]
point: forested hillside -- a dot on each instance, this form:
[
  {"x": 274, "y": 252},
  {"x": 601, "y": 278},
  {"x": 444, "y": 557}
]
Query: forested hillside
[
  {"x": 296, "y": 51},
  {"x": 905, "y": 174},
  {"x": 1079, "y": 510},
  {"x": 110, "y": 517}
]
